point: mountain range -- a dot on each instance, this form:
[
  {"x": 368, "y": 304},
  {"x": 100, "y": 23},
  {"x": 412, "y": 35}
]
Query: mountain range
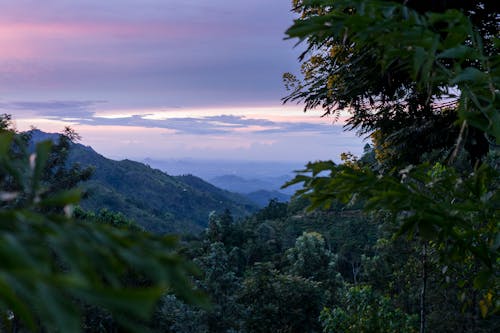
[
  {"x": 259, "y": 181},
  {"x": 159, "y": 202},
  {"x": 260, "y": 191}
]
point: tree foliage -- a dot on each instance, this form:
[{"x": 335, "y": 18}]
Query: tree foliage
[
  {"x": 362, "y": 310},
  {"x": 277, "y": 274},
  {"x": 280, "y": 302},
  {"x": 423, "y": 79},
  {"x": 403, "y": 72},
  {"x": 310, "y": 258},
  {"x": 53, "y": 266}
]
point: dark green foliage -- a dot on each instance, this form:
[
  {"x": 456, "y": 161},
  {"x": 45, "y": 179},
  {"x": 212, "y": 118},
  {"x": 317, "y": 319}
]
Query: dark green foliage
[
  {"x": 352, "y": 237},
  {"x": 273, "y": 210},
  {"x": 311, "y": 259},
  {"x": 460, "y": 214},
  {"x": 174, "y": 316},
  {"x": 158, "y": 202},
  {"x": 276, "y": 275},
  {"x": 277, "y": 302},
  {"x": 59, "y": 174},
  {"x": 246, "y": 264},
  {"x": 221, "y": 227},
  {"x": 104, "y": 216},
  {"x": 53, "y": 267},
  {"x": 424, "y": 250},
  {"x": 362, "y": 310},
  {"x": 405, "y": 73},
  {"x": 422, "y": 79},
  {"x": 222, "y": 284},
  {"x": 395, "y": 270}
]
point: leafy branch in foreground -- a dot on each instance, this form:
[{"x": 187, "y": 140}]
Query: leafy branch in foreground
[
  {"x": 458, "y": 214},
  {"x": 403, "y": 74},
  {"x": 422, "y": 78},
  {"x": 52, "y": 266}
]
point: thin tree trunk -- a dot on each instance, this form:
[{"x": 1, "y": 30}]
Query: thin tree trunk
[
  {"x": 423, "y": 290},
  {"x": 356, "y": 267}
]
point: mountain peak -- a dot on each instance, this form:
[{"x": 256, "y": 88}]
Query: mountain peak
[
  {"x": 155, "y": 200},
  {"x": 38, "y": 136}
]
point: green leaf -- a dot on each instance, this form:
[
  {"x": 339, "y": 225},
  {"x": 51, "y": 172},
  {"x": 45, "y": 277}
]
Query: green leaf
[
  {"x": 482, "y": 279},
  {"x": 59, "y": 311},
  {"x": 459, "y": 52},
  {"x": 6, "y": 138},
  {"x": 135, "y": 302},
  {"x": 12, "y": 302},
  {"x": 470, "y": 74},
  {"x": 41, "y": 157},
  {"x": 63, "y": 198},
  {"x": 419, "y": 58}
]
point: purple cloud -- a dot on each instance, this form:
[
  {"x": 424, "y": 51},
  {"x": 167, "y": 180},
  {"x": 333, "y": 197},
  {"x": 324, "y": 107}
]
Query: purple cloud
[{"x": 53, "y": 109}]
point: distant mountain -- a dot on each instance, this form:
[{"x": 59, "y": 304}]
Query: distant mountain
[
  {"x": 256, "y": 180},
  {"x": 38, "y": 136},
  {"x": 157, "y": 201},
  {"x": 241, "y": 185},
  {"x": 259, "y": 191},
  {"x": 209, "y": 169},
  {"x": 262, "y": 197}
]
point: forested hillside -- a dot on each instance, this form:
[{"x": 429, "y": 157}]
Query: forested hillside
[
  {"x": 158, "y": 202},
  {"x": 67, "y": 270},
  {"x": 286, "y": 269}
]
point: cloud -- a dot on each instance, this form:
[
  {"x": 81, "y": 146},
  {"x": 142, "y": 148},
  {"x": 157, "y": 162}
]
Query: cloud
[
  {"x": 197, "y": 126},
  {"x": 53, "y": 109},
  {"x": 211, "y": 125},
  {"x": 300, "y": 127},
  {"x": 239, "y": 121},
  {"x": 144, "y": 55}
]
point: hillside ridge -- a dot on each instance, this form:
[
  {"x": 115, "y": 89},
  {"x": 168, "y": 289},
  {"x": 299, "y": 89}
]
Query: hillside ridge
[{"x": 157, "y": 201}]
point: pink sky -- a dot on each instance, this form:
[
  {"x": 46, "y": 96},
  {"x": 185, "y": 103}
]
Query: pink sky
[{"x": 161, "y": 78}]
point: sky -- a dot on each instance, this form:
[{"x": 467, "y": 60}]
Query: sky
[{"x": 162, "y": 79}]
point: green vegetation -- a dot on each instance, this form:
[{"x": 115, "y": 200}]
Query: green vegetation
[
  {"x": 287, "y": 269},
  {"x": 158, "y": 202},
  {"x": 57, "y": 271},
  {"x": 422, "y": 78}
]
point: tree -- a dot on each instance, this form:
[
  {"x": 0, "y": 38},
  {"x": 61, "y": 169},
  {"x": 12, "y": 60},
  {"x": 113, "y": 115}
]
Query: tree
[
  {"x": 220, "y": 226},
  {"x": 281, "y": 303},
  {"x": 53, "y": 267},
  {"x": 221, "y": 283},
  {"x": 423, "y": 78},
  {"x": 310, "y": 258},
  {"x": 175, "y": 316},
  {"x": 58, "y": 174},
  {"x": 406, "y": 74},
  {"x": 362, "y": 310},
  {"x": 273, "y": 210},
  {"x": 104, "y": 216}
]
